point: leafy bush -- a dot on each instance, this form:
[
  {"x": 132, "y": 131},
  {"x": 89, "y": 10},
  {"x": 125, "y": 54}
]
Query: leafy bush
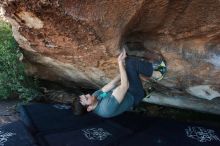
[{"x": 12, "y": 75}]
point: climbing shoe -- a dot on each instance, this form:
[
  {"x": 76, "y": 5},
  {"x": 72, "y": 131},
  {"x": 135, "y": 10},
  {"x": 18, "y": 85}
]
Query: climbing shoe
[{"x": 161, "y": 67}]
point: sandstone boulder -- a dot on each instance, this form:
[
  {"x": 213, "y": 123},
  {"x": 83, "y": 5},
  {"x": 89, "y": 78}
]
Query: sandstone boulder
[{"x": 76, "y": 42}]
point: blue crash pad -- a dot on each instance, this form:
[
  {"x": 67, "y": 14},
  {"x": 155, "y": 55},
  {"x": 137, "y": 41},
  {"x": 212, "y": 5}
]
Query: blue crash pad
[
  {"x": 133, "y": 121},
  {"x": 15, "y": 134},
  {"x": 41, "y": 118},
  {"x": 56, "y": 125},
  {"x": 172, "y": 133},
  {"x": 99, "y": 134}
]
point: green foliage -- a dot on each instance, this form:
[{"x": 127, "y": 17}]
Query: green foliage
[{"x": 12, "y": 75}]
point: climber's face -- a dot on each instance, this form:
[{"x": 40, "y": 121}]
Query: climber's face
[{"x": 88, "y": 101}]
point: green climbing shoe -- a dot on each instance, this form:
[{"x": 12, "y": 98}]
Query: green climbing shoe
[{"x": 162, "y": 68}]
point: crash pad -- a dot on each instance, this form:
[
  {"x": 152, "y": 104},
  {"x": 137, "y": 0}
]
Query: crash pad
[{"x": 15, "y": 134}]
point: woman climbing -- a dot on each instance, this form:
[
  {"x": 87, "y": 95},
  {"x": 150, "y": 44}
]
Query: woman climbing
[{"x": 124, "y": 91}]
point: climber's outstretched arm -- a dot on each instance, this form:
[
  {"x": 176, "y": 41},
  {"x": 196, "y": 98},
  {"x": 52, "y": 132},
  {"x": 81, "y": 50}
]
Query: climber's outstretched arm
[{"x": 120, "y": 91}]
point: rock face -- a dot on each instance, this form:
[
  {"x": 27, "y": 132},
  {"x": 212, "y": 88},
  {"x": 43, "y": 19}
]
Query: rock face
[{"x": 76, "y": 42}]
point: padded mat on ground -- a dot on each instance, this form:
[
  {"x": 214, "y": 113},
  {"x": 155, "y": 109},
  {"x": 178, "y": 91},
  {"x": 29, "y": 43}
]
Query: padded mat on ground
[
  {"x": 133, "y": 121},
  {"x": 99, "y": 134},
  {"x": 15, "y": 134},
  {"x": 172, "y": 133},
  {"x": 56, "y": 125},
  {"x": 41, "y": 118}
]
